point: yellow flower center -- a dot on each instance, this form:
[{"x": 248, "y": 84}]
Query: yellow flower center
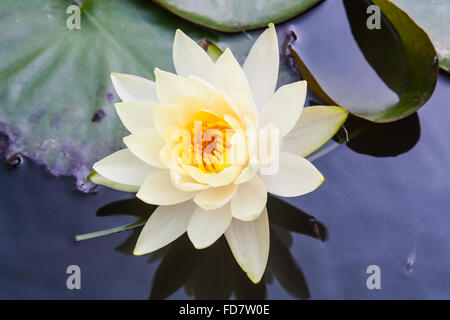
[{"x": 209, "y": 142}]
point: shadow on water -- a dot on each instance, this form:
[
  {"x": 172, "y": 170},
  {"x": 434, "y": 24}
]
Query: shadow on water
[
  {"x": 380, "y": 139},
  {"x": 213, "y": 273}
]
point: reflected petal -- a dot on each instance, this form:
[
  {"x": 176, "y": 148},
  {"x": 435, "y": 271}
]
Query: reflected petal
[{"x": 249, "y": 241}]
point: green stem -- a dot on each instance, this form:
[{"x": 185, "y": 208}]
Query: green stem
[{"x": 102, "y": 233}]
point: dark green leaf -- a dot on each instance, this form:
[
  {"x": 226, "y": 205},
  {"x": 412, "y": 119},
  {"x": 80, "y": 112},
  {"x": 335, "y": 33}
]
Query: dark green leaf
[
  {"x": 381, "y": 75},
  {"x": 56, "y": 97}
]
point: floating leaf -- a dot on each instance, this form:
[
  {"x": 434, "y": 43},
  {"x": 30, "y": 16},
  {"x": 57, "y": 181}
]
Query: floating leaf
[
  {"x": 236, "y": 15},
  {"x": 56, "y": 97},
  {"x": 434, "y": 18},
  {"x": 381, "y": 75}
]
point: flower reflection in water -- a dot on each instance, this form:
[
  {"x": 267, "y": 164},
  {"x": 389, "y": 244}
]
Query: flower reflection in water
[{"x": 212, "y": 273}]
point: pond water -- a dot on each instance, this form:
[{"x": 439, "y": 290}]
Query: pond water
[{"x": 385, "y": 202}]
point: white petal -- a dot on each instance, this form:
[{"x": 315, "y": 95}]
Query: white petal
[
  {"x": 123, "y": 167},
  {"x": 228, "y": 75},
  {"x": 245, "y": 105},
  {"x": 223, "y": 105},
  {"x": 248, "y": 172},
  {"x": 169, "y": 86},
  {"x": 270, "y": 141},
  {"x": 166, "y": 224},
  {"x": 133, "y": 88},
  {"x": 187, "y": 107},
  {"x": 146, "y": 145},
  {"x": 136, "y": 116},
  {"x": 214, "y": 198},
  {"x": 169, "y": 157},
  {"x": 205, "y": 227},
  {"x": 199, "y": 88},
  {"x": 315, "y": 127},
  {"x": 159, "y": 190},
  {"x": 249, "y": 200},
  {"x": 261, "y": 66},
  {"x": 296, "y": 176},
  {"x": 165, "y": 117},
  {"x": 284, "y": 107},
  {"x": 249, "y": 242},
  {"x": 189, "y": 58},
  {"x": 186, "y": 183},
  {"x": 224, "y": 177},
  {"x": 197, "y": 174}
]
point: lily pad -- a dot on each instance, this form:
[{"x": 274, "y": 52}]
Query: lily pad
[
  {"x": 56, "y": 97},
  {"x": 434, "y": 19},
  {"x": 236, "y": 15},
  {"x": 381, "y": 75}
]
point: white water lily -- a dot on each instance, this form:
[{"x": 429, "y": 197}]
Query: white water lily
[{"x": 210, "y": 198}]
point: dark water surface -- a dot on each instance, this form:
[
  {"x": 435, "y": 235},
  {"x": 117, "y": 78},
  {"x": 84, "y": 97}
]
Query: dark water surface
[{"x": 390, "y": 211}]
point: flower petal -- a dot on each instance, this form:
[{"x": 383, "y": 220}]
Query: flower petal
[
  {"x": 244, "y": 103},
  {"x": 248, "y": 172},
  {"x": 284, "y": 107},
  {"x": 164, "y": 118},
  {"x": 223, "y": 105},
  {"x": 166, "y": 224},
  {"x": 168, "y": 86},
  {"x": 136, "y": 116},
  {"x": 187, "y": 107},
  {"x": 214, "y": 198},
  {"x": 199, "y": 88},
  {"x": 169, "y": 157},
  {"x": 261, "y": 66},
  {"x": 315, "y": 127},
  {"x": 224, "y": 177},
  {"x": 269, "y": 142},
  {"x": 133, "y": 88},
  {"x": 186, "y": 183},
  {"x": 123, "y": 167},
  {"x": 146, "y": 145},
  {"x": 250, "y": 199},
  {"x": 228, "y": 75},
  {"x": 296, "y": 176},
  {"x": 249, "y": 242},
  {"x": 159, "y": 190},
  {"x": 189, "y": 58},
  {"x": 205, "y": 227}
]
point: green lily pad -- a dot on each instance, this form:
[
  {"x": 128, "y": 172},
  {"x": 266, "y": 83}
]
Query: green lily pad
[
  {"x": 381, "y": 75},
  {"x": 236, "y": 15},
  {"x": 56, "y": 97},
  {"x": 434, "y": 18}
]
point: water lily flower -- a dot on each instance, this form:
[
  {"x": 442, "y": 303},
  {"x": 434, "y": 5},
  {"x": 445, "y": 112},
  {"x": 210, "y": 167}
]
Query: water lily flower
[{"x": 207, "y": 194}]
